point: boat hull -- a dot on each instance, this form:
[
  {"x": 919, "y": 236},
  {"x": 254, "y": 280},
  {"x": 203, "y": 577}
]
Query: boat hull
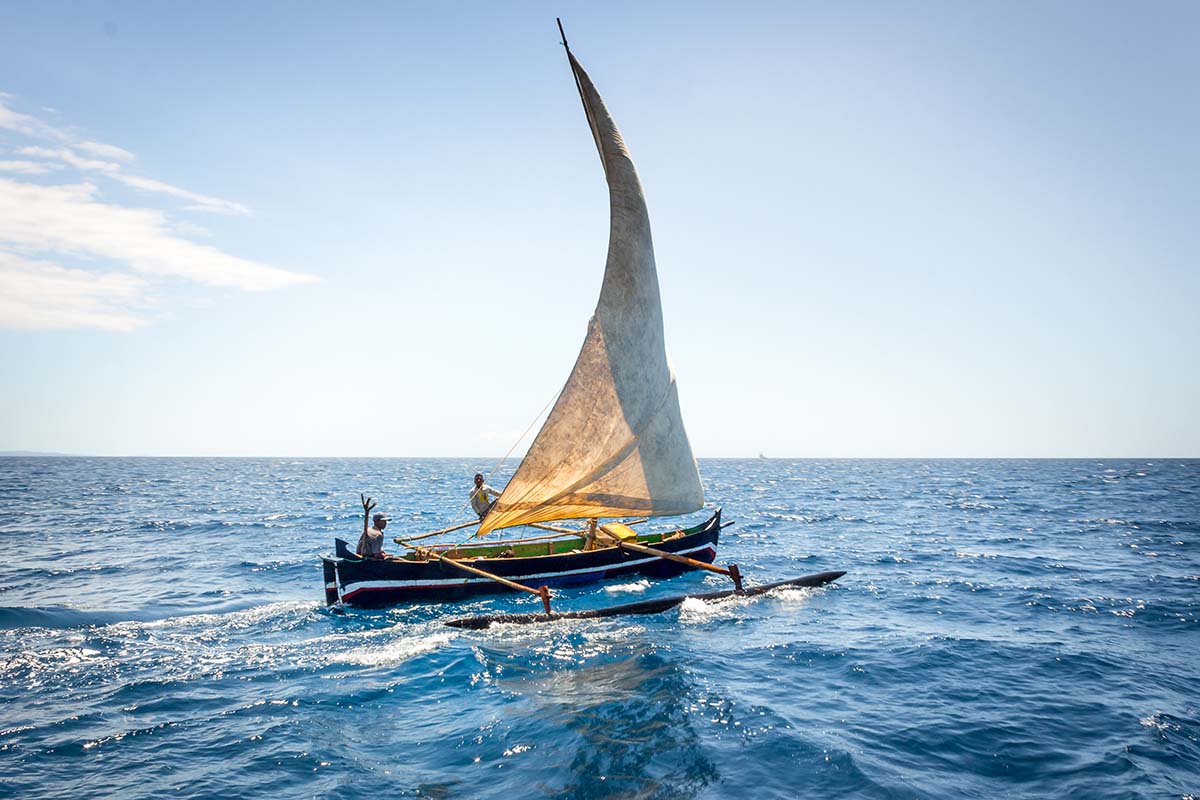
[{"x": 379, "y": 583}]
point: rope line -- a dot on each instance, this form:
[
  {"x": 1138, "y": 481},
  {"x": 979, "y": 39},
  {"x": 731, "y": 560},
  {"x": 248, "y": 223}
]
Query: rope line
[{"x": 497, "y": 466}]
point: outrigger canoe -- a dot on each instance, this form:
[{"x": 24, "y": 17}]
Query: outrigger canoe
[
  {"x": 425, "y": 575},
  {"x": 613, "y": 446}
]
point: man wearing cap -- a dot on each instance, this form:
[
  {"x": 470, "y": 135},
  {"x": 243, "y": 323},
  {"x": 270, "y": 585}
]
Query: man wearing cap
[
  {"x": 479, "y": 497},
  {"x": 370, "y": 544}
]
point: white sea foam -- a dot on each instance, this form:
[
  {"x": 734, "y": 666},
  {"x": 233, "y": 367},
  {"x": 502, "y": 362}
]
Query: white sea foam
[
  {"x": 393, "y": 652},
  {"x": 791, "y": 594},
  {"x": 1156, "y": 722},
  {"x": 694, "y": 611},
  {"x": 628, "y": 588},
  {"x": 236, "y": 620}
]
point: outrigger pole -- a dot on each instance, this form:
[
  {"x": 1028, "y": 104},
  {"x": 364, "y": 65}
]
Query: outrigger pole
[
  {"x": 732, "y": 572},
  {"x": 542, "y": 591}
]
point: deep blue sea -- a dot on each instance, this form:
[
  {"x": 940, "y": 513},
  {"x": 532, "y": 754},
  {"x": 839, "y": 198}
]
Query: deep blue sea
[{"x": 1005, "y": 629}]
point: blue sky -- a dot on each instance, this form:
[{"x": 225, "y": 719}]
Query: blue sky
[{"x": 925, "y": 229}]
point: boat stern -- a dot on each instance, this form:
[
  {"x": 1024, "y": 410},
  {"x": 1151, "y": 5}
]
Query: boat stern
[{"x": 329, "y": 567}]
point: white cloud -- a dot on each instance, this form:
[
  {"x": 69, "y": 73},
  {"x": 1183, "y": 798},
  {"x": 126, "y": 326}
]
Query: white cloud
[
  {"x": 27, "y": 167},
  {"x": 112, "y": 169},
  {"x": 105, "y": 150},
  {"x": 107, "y": 159},
  {"x": 200, "y": 202},
  {"x": 25, "y": 124},
  {"x": 72, "y": 220},
  {"x": 37, "y": 295},
  {"x": 70, "y": 157},
  {"x": 51, "y": 235}
]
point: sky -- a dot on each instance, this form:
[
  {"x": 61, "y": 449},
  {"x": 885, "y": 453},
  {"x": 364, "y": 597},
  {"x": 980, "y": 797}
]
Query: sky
[{"x": 379, "y": 229}]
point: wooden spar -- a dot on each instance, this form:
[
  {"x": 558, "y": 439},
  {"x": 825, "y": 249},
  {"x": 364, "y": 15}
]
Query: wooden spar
[
  {"x": 555, "y": 528},
  {"x": 459, "y": 527},
  {"x": 563, "y": 531},
  {"x": 542, "y": 591},
  {"x": 731, "y": 572},
  {"x": 573, "y": 531},
  {"x": 398, "y": 540},
  {"x": 503, "y": 542}
]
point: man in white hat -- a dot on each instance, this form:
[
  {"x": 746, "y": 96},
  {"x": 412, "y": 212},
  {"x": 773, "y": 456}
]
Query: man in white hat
[{"x": 370, "y": 544}]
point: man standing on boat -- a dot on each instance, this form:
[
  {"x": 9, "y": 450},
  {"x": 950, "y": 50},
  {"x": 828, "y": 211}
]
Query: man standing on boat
[
  {"x": 479, "y": 497},
  {"x": 370, "y": 544}
]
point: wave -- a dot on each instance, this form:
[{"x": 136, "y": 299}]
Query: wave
[
  {"x": 239, "y": 612},
  {"x": 62, "y": 617}
]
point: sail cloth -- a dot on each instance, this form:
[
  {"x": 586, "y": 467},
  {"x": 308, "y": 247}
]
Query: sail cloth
[{"x": 614, "y": 444}]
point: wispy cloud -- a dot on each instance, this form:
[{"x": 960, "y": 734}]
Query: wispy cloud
[
  {"x": 72, "y": 220},
  {"x": 26, "y": 124},
  {"x": 43, "y": 224},
  {"x": 112, "y": 169},
  {"x": 200, "y": 202},
  {"x": 105, "y": 150},
  {"x": 70, "y": 157},
  {"x": 27, "y": 167},
  {"x": 38, "y": 295}
]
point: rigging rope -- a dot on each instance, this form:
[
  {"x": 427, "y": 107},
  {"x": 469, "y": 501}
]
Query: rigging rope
[{"x": 495, "y": 467}]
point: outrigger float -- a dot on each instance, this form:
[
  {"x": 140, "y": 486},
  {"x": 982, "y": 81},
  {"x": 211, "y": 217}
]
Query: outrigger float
[{"x": 613, "y": 447}]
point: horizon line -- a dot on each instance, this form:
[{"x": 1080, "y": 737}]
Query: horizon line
[{"x": 760, "y": 457}]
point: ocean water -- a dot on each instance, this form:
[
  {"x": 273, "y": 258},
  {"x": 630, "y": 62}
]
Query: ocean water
[{"x": 1005, "y": 629}]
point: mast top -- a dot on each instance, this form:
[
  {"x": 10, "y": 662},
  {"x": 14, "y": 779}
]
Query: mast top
[{"x": 562, "y": 34}]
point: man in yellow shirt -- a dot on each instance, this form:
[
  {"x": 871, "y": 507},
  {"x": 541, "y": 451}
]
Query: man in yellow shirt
[{"x": 479, "y": 497}]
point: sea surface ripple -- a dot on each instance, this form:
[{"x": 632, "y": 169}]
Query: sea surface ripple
[{"x": 1005, "y": 629}]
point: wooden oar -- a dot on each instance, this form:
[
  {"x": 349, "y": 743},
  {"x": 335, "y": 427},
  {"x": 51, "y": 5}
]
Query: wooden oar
[{"x": 542, "y": 591}]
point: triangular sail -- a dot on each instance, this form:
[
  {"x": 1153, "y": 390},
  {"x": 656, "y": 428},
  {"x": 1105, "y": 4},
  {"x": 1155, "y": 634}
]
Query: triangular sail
[{"x": 614, "y": 444}]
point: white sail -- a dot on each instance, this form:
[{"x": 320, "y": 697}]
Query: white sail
[{"x": 614, "y": 444}]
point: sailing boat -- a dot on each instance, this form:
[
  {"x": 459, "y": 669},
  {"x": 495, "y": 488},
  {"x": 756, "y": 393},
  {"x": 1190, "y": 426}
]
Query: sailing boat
[{"x": 613, "y": 446}]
